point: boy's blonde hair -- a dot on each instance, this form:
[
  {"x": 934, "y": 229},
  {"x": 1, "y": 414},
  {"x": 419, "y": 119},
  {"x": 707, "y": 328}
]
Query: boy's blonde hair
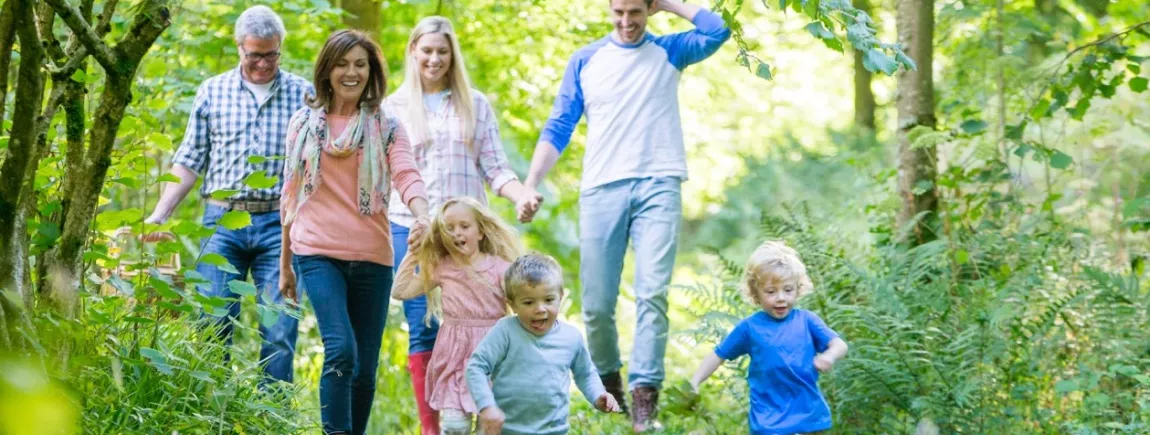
[
  {"x": 499, "y": 240},
  {"x": 532, "y": 270},
  {"x": 774, "y": 262}
]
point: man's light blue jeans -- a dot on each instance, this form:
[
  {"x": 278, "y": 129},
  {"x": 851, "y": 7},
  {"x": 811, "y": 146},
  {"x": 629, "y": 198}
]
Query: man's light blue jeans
[{"x": 648, "y": 212}]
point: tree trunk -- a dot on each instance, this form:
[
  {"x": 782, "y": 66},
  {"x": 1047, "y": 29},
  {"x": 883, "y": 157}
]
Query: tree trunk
[
  {"x": 362, "y": 15},
  {"x": 7, "y": 38},
  {"x": 150, "y": 21},
  {"x": 22, "y": 142},
  {"x": 916, "y": 167},
  {"x": 864, "y": 95}
]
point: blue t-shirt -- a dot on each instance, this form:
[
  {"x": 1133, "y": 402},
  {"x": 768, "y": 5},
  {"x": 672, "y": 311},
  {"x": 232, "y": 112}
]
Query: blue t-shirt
[{"x": 785, "y": 397}]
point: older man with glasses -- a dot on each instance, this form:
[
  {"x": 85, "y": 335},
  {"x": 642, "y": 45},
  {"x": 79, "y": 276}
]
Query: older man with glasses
[{"x": 236, "y": 129}]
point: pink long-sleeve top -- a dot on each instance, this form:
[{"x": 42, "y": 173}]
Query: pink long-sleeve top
[{"x": 330, "y": 224}]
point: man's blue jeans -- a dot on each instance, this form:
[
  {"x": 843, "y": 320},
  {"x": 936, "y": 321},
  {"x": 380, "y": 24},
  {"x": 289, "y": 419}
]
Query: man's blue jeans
[
  {"x": 648, "y": 211},
  {"x": 421, "y": 336},
  {"x": 350, "y": 300},
  {"x": 254, "y": 250}
]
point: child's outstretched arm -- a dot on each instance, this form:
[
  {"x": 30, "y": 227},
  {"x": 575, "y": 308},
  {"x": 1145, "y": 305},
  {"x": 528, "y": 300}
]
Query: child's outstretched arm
[
  {"x": 408, "y": 285},
  {"x": 705, "y": 370},
  {"x": 483, "y": 362},
  {"x": 587, "y": 379},
  {"x": 836, "y": 349}
]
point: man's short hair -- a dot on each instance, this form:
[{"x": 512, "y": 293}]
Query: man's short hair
[{"x": 259, "y": 22}]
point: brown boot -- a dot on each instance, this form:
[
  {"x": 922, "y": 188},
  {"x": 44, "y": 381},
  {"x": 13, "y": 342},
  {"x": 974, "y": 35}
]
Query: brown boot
[
  {"x": 614, "y": 385},
  {"x": 646, "y": 403}
]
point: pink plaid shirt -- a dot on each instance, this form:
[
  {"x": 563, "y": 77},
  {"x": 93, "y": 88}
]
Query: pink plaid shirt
[{"x": 447, "y": 167}]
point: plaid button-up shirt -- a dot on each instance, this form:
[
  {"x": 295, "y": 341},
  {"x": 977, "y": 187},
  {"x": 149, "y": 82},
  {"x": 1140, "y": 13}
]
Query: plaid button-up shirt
[
  {"x": 231, "y": 136},
  {"x": 448, "y": 168}
]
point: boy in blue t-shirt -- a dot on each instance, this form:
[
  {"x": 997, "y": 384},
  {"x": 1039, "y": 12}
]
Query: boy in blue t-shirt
[{"x": 789, "y": 347}]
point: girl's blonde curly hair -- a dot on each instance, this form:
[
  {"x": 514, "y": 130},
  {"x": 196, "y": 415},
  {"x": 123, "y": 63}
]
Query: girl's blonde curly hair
[
  {"x": 499, "y": 240},
  {"x": 773, "y": 262}
]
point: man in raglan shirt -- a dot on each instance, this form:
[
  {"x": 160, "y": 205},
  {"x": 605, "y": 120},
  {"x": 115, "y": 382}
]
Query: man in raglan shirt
[{"x": 627, "y": 85}]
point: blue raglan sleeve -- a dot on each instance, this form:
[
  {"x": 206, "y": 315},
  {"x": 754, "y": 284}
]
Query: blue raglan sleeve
[
  {"x": 691, "y": 47},
  {"x": 568, "y": 108}
]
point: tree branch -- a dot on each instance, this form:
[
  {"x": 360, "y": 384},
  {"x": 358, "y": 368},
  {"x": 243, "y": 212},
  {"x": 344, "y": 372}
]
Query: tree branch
[
  {"x": 1061, "y": 63},
  {"x": 81, "y": 29},
  {"x": 105, "y": 23},
  {"x": 150, "y": 21}
]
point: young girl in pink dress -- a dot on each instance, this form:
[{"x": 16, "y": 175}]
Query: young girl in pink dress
[{"x": 461, "y": 264}]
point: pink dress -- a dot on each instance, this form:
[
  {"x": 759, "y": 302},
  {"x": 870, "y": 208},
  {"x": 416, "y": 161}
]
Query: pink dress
[{"x": 470, "y": 309}]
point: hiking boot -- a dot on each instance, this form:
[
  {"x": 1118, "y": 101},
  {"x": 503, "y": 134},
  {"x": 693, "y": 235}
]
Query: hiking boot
[
  {"x": 614, "y": 385},
  {"x": 646, "y": 402}
]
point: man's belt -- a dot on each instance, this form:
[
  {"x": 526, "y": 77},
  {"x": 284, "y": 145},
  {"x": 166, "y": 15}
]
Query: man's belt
[{"x": 248, "y": 206}]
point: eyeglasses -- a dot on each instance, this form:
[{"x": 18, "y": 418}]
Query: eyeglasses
[{"x": 254, "y": 58}]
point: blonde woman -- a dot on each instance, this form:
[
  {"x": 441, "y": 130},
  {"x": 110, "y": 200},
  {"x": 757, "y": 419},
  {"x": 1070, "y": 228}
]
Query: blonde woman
[{"x": 455, "y": 140}]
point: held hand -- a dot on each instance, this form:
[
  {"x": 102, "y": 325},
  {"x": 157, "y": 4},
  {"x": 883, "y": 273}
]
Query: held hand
[
  {"x": 288, "y": 284},
  {"x": 527, "y": 205},
  {"x": 418, "y": 230},
  {"x": 823, "y": 363},
  {"x": 491, "y": 420},
  {"x": 606, "y": 403}
]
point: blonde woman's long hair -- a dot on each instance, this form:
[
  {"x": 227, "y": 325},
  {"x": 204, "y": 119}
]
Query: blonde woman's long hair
[
  {"x": 499, "y": 240},
  {"x": 457, "y": 82}
]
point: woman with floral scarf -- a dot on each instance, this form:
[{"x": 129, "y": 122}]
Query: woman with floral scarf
[{"x": 344, "y": 155}]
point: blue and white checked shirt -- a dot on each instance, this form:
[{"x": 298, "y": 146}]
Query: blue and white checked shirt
[{"x": 227, "y": 126}]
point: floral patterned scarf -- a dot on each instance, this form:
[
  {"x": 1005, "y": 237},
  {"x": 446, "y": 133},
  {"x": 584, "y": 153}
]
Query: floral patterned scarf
[{"x": 364, "y": 136}]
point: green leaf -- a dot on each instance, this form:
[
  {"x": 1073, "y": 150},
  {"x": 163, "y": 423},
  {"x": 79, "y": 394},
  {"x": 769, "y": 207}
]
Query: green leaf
[
  {"x": 1060, "y": 160},
  {"x": 818, "y": 30},
  {"x": 973, "y": 126},
  {"x": 161, "y": 141},
  {"x": 163, "y": 288},
  {"x": 79, "y": 76},
  {"x": 875, "y": 61},
  {"x": 203, "y": 376},
  {"x": 1041, "y": 109},
  {"x": 219, "y": 261},
  {"x": 260, "y": 180},
  {"x": 833, "y": 44},
  {"x": 1134, "y": 68},
  {"x": 1065, "y": 386},
  {"x": 235, "y": 219},
  {"x": 223, "y": 194},
  {"x": 1138, "y": 84},
  {"x": 962, "y": 257},
  {"x": 763, "y": 71},
  {"x": 1015, "y": 131},
  {"x": 1023, "y": 150},
  {"x": 1080, "y": 109},
  {"x": 268, "y": 316},
  {"x": 923, "y": 186},
  {"x": 242, "y": 288},
  {"x": 157, "y": 360},
  {"x": 168, "y": 178},
  {"x": 255, "y": 160}
]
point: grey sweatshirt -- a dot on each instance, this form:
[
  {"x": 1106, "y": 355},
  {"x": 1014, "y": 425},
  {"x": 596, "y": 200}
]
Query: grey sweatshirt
[{"x": 531, "y": 376}]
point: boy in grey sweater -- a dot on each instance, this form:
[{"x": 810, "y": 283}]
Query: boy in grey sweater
[{"x": 520, "y": 374}]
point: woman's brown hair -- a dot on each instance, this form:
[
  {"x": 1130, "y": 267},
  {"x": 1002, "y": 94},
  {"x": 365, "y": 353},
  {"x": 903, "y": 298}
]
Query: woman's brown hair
[{"x": 337, "y": 45}]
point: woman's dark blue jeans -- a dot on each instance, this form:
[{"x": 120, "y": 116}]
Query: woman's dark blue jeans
[{"x": 350, "y": 300}]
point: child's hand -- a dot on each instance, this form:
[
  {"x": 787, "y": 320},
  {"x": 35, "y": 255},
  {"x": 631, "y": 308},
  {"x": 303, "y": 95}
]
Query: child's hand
[
  {"x": 824, "y": 363},
  {"x": 491, "y": 420},
  {"x": 606, "y": 403}
]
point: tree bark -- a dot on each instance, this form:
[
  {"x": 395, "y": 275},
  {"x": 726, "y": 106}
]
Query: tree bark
[
  {"x": 151, "y": 20},
  {"x": 362, "y": 15},
  {"x": 864, "y": 95},
  {"x": 916, "y": 167},
  {"x": 7, "y": 38},
  {"x": 22, "y": 141}
]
